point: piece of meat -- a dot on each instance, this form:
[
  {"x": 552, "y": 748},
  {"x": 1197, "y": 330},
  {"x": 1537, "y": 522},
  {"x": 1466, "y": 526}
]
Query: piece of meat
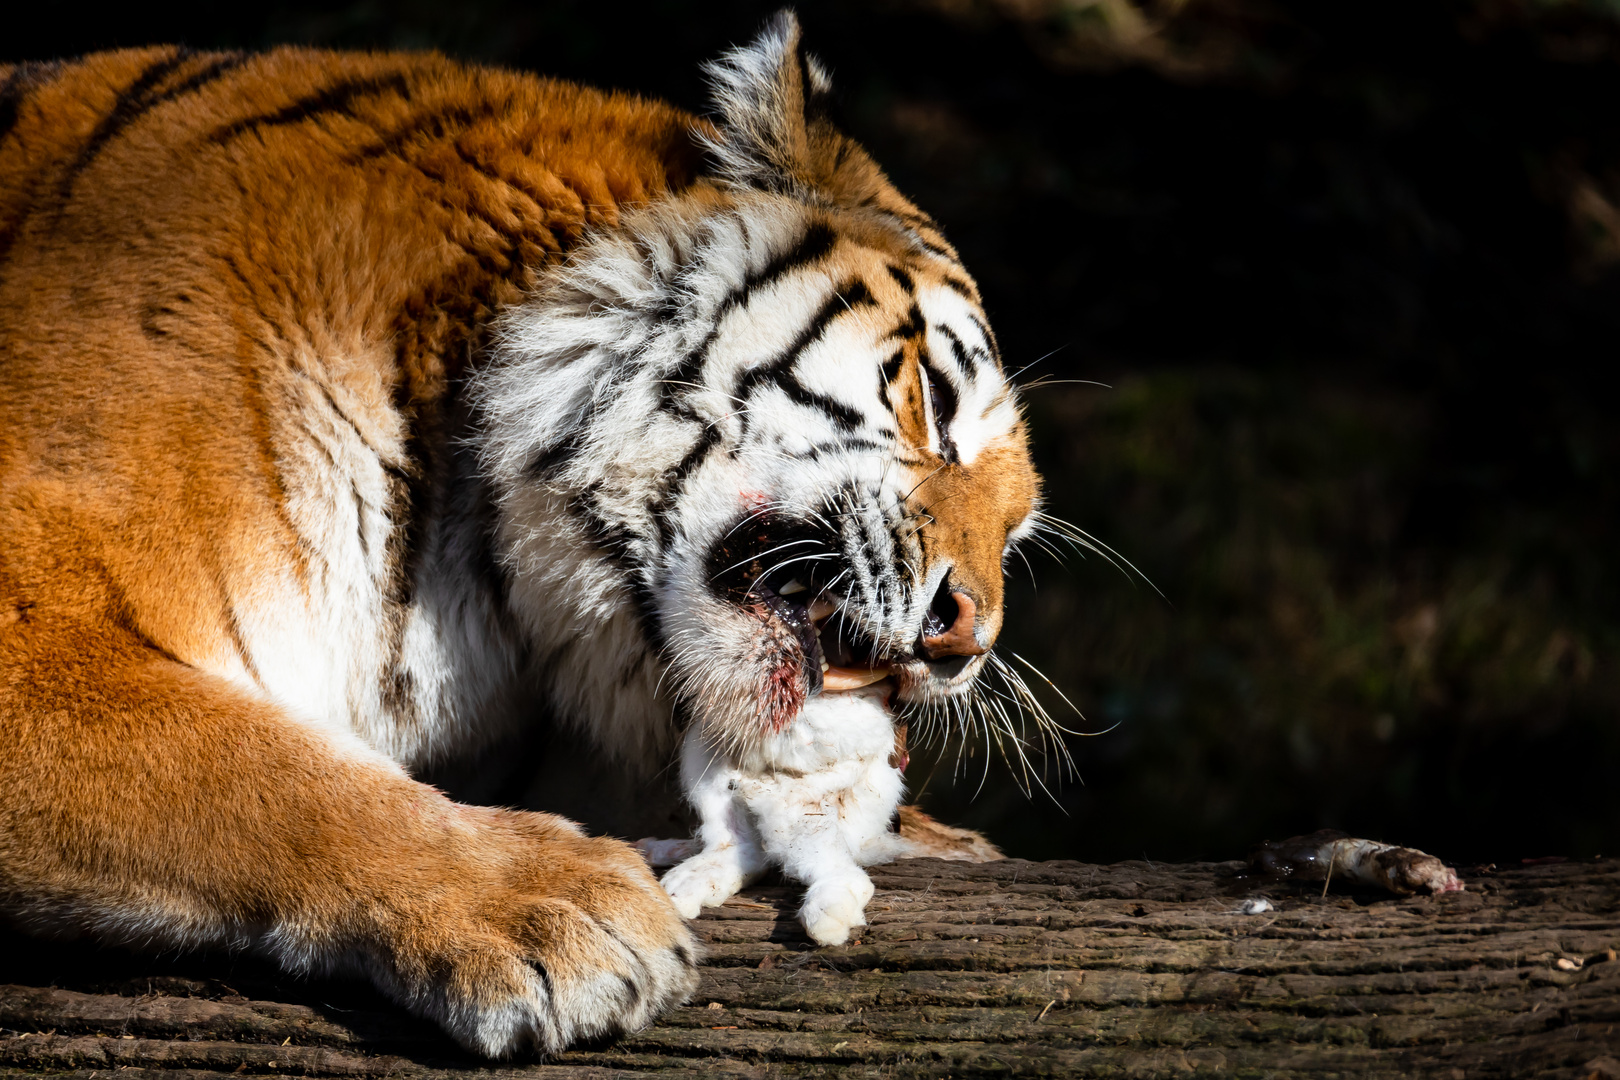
[{"x": 1328, "y": 854}]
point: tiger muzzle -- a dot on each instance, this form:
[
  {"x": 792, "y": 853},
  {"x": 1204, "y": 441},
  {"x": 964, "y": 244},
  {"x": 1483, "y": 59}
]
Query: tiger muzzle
[{"x": 782, "y": 570}]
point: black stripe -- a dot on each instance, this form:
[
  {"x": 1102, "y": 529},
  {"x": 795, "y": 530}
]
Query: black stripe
[
  {"x": 24, "y": 79},
  {"x": 544, "y": 466},
  {"x": 631, "y": 991},
  {"x": 617, "y": 543},
  {"x": 958, "y": 286},
  {"x": 942, "y": 394},
  {"x": 845, "y": 416},
  {"x": 677, "y": 475},
  {"x": 674, "y": 481},
  {"x": 137, "y": 101},
  {"x": 902, "y": 278},
  {"x": 989, "y": 338},
  {"x": 436, "y": 124},
  {"x": 215, "y": 70},
  {"x": 914, "y": 325},
  {"x": 548, "y": 463},
  {"x": 779, "y": 371},
  {"x": 814, "y": 245},
  {"x": 887, "y": 373},
  {"x": 965, "y": 360},
  {"x": 545, "y": 980},
  {"x": 820, "y": 450},
  {"x": 891, "y": 366},
  {"x": 132, "y": 103},
  {"x": 816, "y": 242},
  {"x": 845, "y": 299},
  {"x": 335, "y": 98},
  {"x": 673, "y": 387}
]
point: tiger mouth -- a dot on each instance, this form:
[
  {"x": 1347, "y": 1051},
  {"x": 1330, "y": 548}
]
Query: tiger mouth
[
  {"x": 838, "y": 655},
  {"x": 780, "y": 570}
]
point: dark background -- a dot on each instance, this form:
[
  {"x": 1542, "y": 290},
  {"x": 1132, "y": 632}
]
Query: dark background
[{"x": 1351, "y": 271}]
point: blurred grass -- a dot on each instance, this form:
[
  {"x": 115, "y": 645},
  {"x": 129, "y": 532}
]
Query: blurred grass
[{"x": 1307, "y": 667}]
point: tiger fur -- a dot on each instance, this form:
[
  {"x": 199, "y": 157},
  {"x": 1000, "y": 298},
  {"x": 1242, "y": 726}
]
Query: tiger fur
[{"x": 354, "y": 408}]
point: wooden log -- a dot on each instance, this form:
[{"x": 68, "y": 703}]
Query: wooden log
[{"x": 1005, "y": 969}]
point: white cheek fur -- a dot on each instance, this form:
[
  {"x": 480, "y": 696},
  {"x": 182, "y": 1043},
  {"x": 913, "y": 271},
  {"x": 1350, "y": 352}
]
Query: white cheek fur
[{"x": 666, "y": 380}]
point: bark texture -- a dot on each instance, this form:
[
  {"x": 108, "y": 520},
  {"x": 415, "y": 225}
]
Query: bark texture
[{"x": 1007, "y": 969}]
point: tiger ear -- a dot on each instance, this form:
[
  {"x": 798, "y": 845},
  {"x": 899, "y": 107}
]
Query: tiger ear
[{"x": 770, "y": 96}]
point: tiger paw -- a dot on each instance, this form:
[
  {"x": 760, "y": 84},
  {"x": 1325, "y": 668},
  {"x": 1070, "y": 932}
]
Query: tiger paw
[
  {"x": 573, "y": 939},
  {"x": 708, "y": 879},
  {"x": 833, "y": 908}
]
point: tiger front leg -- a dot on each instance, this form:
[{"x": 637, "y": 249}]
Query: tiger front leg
[{"x": 142, "y": 801}]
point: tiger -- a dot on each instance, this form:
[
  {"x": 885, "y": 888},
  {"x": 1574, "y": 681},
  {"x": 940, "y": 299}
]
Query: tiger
[{"x": 356, "y": 409}]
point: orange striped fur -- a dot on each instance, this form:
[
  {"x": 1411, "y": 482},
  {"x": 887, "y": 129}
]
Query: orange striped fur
[
  {"x": 240, "y": 297},
  {"x": 190, "y": 240}
]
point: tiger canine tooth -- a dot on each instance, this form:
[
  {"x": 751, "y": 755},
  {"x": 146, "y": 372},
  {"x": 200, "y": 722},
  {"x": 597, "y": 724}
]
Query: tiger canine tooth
[
  {"x": 820, "y": 608},
  {"x": 843, "y": 678},
  {"x": 794, "y": 586}
]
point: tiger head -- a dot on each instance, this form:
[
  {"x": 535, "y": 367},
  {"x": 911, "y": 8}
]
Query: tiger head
[{"x": 755, "y": 443}]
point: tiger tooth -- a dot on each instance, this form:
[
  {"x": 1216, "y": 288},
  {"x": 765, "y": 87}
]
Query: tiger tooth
[
  {"x": 824, "y": 667},
  {"x": 820, "y": 608},
  {"x": 834, "y": 679},
  {"x": 794, "y": 586}
]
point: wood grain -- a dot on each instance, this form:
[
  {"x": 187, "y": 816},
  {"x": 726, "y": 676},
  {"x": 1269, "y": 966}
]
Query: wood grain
[{"x": 1005, "y": 969}]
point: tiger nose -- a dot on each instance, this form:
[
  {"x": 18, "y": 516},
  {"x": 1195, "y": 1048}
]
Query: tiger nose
[{"x": 952, "y": 614}]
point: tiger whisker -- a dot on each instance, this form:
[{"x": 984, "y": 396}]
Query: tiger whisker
[
  {"x": 1078, "y": 537},
  {"x": 1063, "y": 382},
  {"x": 760, "y": 555}
]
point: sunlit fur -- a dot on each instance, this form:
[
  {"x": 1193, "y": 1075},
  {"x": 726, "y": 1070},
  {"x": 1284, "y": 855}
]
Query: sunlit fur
[
  {"x": 735, "y": 352},
  {"x": 356, "y": 408},
  {"x": 816, "y": 799}
]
